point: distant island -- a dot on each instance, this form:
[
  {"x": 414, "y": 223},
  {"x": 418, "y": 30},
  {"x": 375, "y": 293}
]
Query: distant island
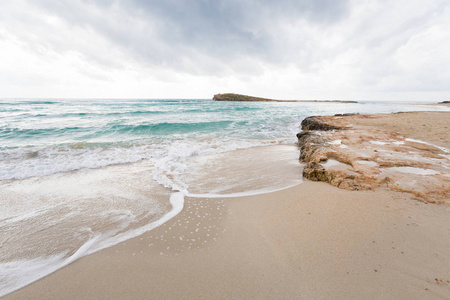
[{"x": 238, "y": 97}]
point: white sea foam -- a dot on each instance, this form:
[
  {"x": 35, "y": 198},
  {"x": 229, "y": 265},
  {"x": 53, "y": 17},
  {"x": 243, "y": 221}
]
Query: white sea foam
[
  {"x": 19, "y": 273},
  {"x": 168, "y": 156},
  {"x": 243, "y": 194},
  {"x": 171, "y": 166},
  {"x": 177, "y": 202},
  {"x": 17, "y": 163},
  {"x": 66, "y": 197},
  {"x": 44, "y": 219}
]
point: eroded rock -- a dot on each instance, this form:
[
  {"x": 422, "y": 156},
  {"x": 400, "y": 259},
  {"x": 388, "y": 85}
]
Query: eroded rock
[
  {"x": 318, "y": 123},
  {"x": 356, "y": 158}
]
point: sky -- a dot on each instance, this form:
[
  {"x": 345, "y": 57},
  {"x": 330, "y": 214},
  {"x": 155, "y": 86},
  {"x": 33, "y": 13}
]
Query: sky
[{"x": 283, "y": 49}]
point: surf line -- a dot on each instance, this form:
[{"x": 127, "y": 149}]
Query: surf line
[
  {"x": 241, "y": 194},
  {"x": 42, "y": 267}
]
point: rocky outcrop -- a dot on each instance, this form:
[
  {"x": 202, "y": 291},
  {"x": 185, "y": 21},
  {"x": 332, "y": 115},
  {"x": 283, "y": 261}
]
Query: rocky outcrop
[
  {"x": 318, "y": 123},
  {"x": 353, "y": 158},
  {"x": 310, "y": 143},
  {"x": 239, "y": 97}
]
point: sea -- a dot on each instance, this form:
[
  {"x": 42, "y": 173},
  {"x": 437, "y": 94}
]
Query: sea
[{"x": 80, "y": 175}]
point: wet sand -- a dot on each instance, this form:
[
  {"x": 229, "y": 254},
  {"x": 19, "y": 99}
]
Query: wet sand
[{"x": 311, "y": 241}]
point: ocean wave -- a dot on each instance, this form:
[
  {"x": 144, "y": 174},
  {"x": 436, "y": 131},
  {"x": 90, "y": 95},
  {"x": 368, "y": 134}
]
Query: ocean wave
[
  {"x": 36, "y": 133},
  {"x": 166, "y": 128},
  {"x": 169, "y": 156},
  {"x": 21, "y": 163}
]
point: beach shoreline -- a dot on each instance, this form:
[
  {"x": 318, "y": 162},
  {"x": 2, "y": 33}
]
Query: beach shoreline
[
  {"x": 246, "y": 98},
  {"x": 311, "y": 241}
]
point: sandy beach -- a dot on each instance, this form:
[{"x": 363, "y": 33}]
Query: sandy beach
[
  {"x": 310, "y": 241},
  {"x": 225, "y": 150}
]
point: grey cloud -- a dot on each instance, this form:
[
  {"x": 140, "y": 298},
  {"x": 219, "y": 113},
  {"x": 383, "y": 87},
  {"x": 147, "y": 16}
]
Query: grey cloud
[
  {"x": 233, "y": 28},
  {"x": 194, "y": 36}
]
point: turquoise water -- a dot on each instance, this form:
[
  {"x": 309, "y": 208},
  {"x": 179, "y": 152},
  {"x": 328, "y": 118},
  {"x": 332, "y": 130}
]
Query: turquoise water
[
  {"x": 43, "y": 137},
  {"x": 77, "y": 176}
]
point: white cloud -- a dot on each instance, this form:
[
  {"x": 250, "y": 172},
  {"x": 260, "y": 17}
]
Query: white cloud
[{"x": 372, "y": 49}]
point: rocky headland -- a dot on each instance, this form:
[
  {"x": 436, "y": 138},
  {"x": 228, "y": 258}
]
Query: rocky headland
[
  {"x": 239, "y": 97},
  {"x": 366, "y": 152},
  {"x": 446, "y": 103}
]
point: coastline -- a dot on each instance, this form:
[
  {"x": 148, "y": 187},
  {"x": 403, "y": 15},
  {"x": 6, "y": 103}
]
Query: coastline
[
  {"x": 243, "y": 98},
  {"x": 308, "y": 241}
]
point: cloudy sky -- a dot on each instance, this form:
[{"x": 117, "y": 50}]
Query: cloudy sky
[{"x": 284, "y": 49}]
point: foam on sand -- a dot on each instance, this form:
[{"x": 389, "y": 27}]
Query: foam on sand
[
  {"x": 17, "y": 274},
  {"x": 62, "y": 217}
]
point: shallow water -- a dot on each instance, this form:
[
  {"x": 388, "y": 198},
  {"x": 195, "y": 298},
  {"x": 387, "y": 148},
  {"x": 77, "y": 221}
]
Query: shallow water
[{"x": 77, "y": 176}]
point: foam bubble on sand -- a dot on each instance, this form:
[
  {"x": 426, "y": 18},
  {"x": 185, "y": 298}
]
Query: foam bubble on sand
[{"x": 177, "y": 202}]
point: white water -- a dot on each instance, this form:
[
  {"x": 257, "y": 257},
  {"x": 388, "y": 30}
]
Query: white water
[{"x": 85, "y": 211}]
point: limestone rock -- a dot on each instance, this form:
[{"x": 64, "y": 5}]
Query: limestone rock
[
  {"x": 317, "y": 123},
  {"x": 354, "y": 158}
]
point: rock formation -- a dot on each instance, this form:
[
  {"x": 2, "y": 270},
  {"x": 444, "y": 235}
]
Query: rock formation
[
  {"x": 357, "y": 158},
  {"x": 238, "y": 97}
]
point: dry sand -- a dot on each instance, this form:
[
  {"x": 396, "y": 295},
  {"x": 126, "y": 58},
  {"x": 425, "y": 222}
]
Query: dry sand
[{"x": 311, "y": 241}]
